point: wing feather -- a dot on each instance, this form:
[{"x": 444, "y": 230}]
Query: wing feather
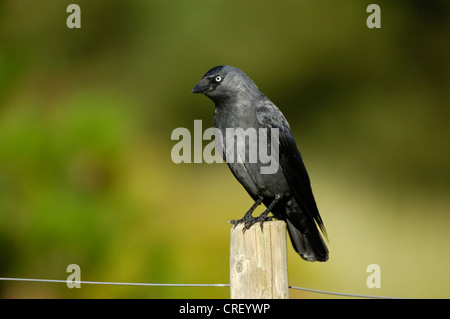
[{"x": 291, "y": 162}]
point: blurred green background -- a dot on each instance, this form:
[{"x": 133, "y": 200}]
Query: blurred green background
[{"x": 86, "y": 117}]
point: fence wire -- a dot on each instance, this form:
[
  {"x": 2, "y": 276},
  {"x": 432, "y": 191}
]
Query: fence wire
[{"x": 185, "y": 285}]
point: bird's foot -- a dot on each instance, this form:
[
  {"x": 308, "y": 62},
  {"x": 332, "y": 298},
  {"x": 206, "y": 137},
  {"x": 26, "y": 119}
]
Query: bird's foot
[{"x": 249, "y": 221}]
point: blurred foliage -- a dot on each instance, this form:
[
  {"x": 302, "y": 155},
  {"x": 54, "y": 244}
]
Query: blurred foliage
[{"x": 86, "y": 116}]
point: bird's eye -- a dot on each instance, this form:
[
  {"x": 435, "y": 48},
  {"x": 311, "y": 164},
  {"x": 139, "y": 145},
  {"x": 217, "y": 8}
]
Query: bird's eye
[{"x": 218, "y": 78}]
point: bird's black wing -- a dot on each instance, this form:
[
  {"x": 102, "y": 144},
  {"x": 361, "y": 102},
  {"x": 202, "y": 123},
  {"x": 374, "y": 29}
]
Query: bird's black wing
[{"x": 291, "y": 162}]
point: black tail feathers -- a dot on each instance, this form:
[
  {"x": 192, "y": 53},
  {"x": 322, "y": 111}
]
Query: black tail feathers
[{"x": 310, "y": 246}]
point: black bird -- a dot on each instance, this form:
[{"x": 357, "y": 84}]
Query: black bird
[{"x": 287, "y": 192}]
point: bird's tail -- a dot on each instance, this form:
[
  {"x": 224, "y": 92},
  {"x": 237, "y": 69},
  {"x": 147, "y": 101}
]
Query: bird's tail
[{"x": 309, "y": 245}]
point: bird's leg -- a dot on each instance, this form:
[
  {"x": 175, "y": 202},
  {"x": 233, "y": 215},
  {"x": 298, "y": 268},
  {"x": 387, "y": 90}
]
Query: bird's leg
[
  {"x": 263, "y": 217},
  {"x": 248, "y": 215}
]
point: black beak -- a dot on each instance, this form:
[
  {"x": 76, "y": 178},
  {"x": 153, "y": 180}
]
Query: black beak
[{"x": 202, "y": 86}]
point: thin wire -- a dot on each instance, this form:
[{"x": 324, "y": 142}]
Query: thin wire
[
  {"x": 183, "y": 285},
  {"x": 115, "y": 283},
  {"x": 341, "y": 293}
]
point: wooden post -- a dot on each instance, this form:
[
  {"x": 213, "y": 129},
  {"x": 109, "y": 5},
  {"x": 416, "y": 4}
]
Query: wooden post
[{"x": 258, "y": 262}]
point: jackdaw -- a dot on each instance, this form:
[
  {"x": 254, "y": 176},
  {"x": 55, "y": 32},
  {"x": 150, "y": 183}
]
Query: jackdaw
[{"x": 287, "y": 192}]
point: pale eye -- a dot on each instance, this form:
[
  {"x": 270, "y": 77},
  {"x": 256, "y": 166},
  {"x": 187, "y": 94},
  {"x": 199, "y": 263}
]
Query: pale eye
[{"x": 218, "y": 78}]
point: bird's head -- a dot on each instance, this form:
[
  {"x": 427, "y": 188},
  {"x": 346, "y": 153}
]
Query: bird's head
[{"x": 224, "y": 82}]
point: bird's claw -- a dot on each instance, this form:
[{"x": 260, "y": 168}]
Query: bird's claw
[{"x": 249, "y": 221}]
